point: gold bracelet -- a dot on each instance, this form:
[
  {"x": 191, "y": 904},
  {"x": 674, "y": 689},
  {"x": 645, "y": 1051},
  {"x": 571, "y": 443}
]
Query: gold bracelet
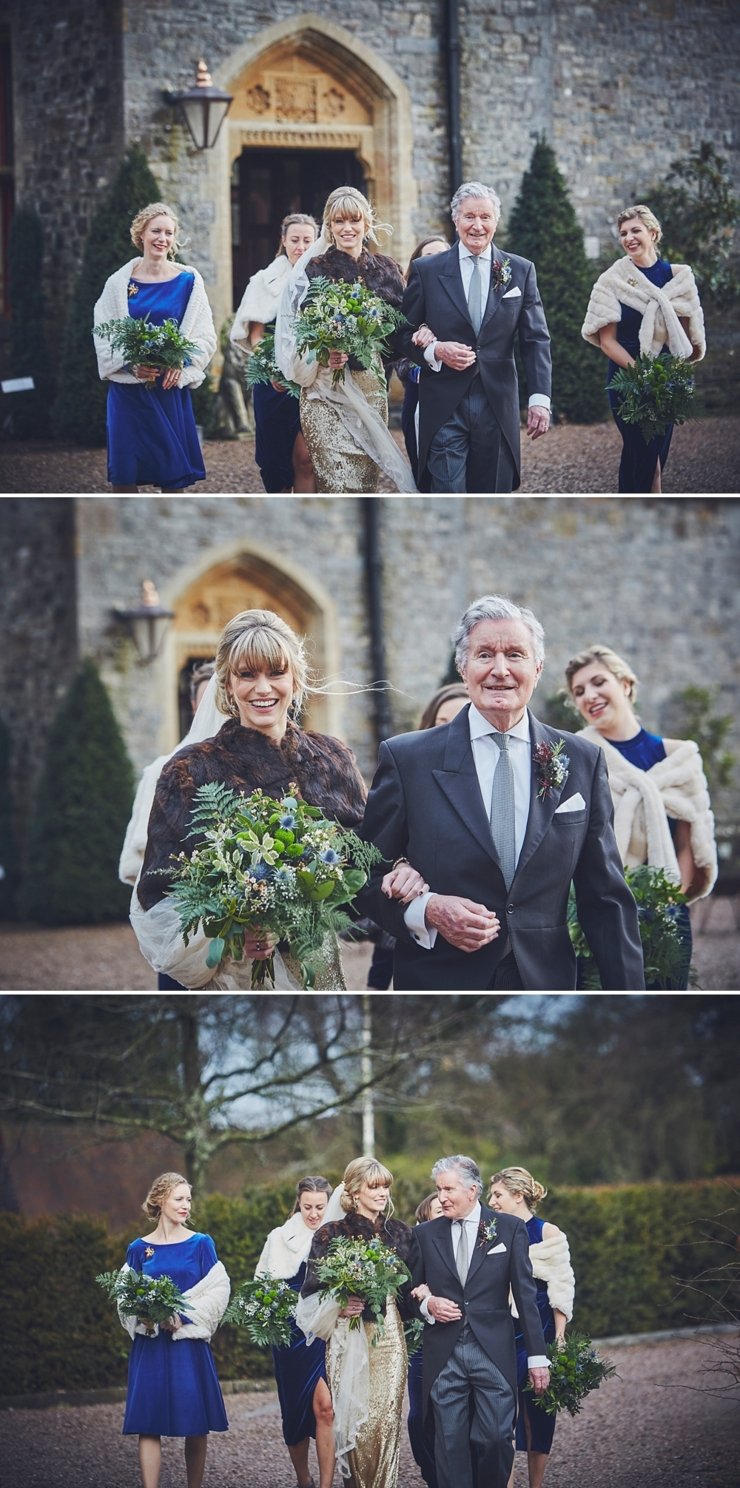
[{"x": 399, "y": 860}]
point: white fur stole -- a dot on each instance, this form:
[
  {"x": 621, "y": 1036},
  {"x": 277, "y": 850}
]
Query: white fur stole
[
  {"x": 661, "y": 309},
  {"x": 197, "y": 325},
  {"x": 550, "y": 1258},
  {"x": 285, "y": 1249},
  {"x": 260, "y": 300}
]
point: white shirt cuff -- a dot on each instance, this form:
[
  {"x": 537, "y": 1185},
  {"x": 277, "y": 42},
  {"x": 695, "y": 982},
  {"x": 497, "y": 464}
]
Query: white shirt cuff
[
  {"x": 539, "y": 400},
  {"x": 538, "y": 1361},
  {"x": 426, "y": 1314},
  {"x": 413, "y": 917},
  {"x": 430, "y": 357}
]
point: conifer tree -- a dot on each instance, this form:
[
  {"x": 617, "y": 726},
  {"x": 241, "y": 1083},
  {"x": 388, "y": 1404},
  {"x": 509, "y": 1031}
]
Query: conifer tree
[
  {"x": 79, "y": 411},
  {"x": 28, "y": 350},
  {"x": 82, "y": 807},
  {"x": 543, "y": 227}
]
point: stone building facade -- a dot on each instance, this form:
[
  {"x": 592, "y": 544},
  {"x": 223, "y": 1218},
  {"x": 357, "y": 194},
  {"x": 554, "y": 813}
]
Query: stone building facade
[
  {"x": 351, "y": 90},
  {"x": 653, "y": 577}
]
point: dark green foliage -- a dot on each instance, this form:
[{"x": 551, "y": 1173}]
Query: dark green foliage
[
  {"x": 556, "y": 711},
  {"x": 543, "y": 227},
  {"x": 79, "y": 410},
  {"x": 80, "y": 814},
  {"x": 8, "y": 853},
  {"x": 28, "y": 352},
  {"x": 690, "y": 715},
  {"x": 699, "y": 213},
  {"x": 634, "y": 1250}
]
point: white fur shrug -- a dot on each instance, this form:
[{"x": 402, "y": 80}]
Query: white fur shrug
[
  {"x": 197, "y": 325},
  {"x": 550, "y": 1259},
  {"x": 644, "y": 799},
  {"x": 661, "y": 309},
  {"x": 285, "y": 1249},
  {"x": 207, "y": 1303},
  {"x": 260, "y": 300}
]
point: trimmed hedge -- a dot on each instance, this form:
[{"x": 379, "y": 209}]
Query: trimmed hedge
[{"x": 631, "y": 1248}]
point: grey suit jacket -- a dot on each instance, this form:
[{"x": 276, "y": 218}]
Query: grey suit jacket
[
  {"x": 435, "y": 296},
  {"x": 425, "y": 804}
]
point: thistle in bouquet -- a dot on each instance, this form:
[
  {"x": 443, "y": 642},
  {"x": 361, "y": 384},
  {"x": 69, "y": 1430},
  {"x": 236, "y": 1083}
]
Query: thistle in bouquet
[
  {"x": 262, "y": 368},
  {"x": 142, "y": 343},
  {"x": 362, "y": 1268},
  {"x": 276, "y": 865},
  {"x": 151, "y": 1299},
  {"x": 575, "y": 1370},
  {"x": 653, "y": 393},
  {"x": 336, "y": 316},
  {"x": 266, "y": 1308}
]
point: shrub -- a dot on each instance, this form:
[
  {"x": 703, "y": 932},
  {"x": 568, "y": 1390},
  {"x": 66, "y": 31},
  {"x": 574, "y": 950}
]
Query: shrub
[
  {"x": 28, "y": 350},
  {"x": 543, "y": 227},
  {"x": 698, "y": 213},
  {"x": 83, "y": 803}
]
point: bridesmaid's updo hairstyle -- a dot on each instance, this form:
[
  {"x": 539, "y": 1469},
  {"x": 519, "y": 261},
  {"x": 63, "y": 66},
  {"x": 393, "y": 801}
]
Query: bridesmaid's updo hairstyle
[
  {"x": 161, "y": 1187},
  {"x": 364, "y": 1170},
  {"x": 519, "y": 1181},
  {"x": 295, "y": 219},
  {"x": 614, "y": 663},
  {"x": 156, "y": 209},
  {"x": 646, "y": 216},
  {"x": 310, "y": 1185},
  {"x": 261, "y": 641}
]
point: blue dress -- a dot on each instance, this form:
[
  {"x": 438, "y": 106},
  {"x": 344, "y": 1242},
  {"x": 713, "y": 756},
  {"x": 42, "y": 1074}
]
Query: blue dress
[
  {"x": 644, "y": 751},
  {"x": 298, "y": 1369},
  {"x": 277, "y": 424},
  {"x": 541, "y": 1426},
  {"x": 152, "y": 438},
  {"x": 639, "y": 460},
  {"x": 173, "y": 1388}
]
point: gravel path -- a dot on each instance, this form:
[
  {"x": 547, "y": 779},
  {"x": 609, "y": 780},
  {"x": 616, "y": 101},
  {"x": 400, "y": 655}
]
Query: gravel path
[
  {"x": 656, "y": 1426},
  {"x": 98, "y": 958},
  {"x": 704, "y": 459}
]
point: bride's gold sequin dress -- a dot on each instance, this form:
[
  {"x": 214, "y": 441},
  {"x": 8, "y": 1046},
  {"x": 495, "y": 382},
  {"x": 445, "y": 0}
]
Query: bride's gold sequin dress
[{"x": 338, "y": 461}]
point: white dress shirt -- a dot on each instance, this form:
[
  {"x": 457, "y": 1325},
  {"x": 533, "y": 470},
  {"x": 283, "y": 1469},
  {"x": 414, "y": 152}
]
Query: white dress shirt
[
  {"x": 486, "y": 755},
  {"x": 537, "y": 400}
]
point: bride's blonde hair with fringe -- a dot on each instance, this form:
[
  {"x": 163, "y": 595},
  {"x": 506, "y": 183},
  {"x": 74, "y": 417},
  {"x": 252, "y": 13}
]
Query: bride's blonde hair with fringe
[{"x": 347, "y": 201}]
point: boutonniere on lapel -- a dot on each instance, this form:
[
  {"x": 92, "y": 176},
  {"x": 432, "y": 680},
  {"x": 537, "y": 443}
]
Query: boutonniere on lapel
[
  {"x": 486, "y": 1232},
  {"x": 551, "y": 764},
  {"x": 133, "y": 289},
  {"x": 500, "y": 273}
]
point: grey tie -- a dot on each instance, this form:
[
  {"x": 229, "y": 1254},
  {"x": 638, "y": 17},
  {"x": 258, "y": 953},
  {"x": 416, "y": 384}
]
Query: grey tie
[
  {"x": 475, "y": 294},
  {"x": 502, "y": 809},
  {"x": 463, "y": 1257}
]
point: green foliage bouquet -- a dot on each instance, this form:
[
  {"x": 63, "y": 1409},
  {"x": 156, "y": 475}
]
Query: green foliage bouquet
[
  {"x": 345, "y": 317},
  {"x": 362, "y": 1268},
  {"x": 151, "y": 1299},
  {"x": 266, "y": 1308},
  {"x": 575, "y": 1370},
  {"x": 657, "y": 897},
  {"x": 145, "y": 344},
  {"x": 279, "y": 865},
  {"x": 653, "y": 393},
  {"x": 262, "y": 367}
]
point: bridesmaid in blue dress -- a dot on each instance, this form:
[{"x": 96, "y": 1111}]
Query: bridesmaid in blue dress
[
  {"x": 421, "y": 1430},
  {"x": 152, "y": 437},
  {"x": 515, "y": 1191},
  {"x": 173, "y": 1388},
  {"x": 300, "y": 1369}
]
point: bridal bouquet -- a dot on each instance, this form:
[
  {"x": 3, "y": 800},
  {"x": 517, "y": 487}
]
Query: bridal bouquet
[
  {"x": 362, "y": 1268},
  {"x": 657, "y": 897},
  {"x": 143, "y": 343},
  {"x": 654, "y": 392},
  {"x": 151, "y": 1299},
  {"x": 336, "y": 316},
  {"x": 266, "y": 1308},
  {"x": 279, "y": 865},
  {"x": 262, "y": 367},
  {"x": 575, "y": 1370}
]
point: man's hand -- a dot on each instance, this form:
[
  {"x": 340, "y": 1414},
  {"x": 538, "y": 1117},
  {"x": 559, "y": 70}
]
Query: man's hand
[
  {"x": 466, "y": 925},
  {"x": 454, "y": 354},
  {"x": 540, "y": 1379},
  {"x": 538, "y": 421},
  {"x": 443, "y": 1310}
]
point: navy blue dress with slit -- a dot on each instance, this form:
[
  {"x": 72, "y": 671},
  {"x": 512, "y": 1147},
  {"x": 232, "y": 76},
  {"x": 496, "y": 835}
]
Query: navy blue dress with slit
[
  {"x": 152, "y": 438},
  {"x": 298, "y": 1369},
  {"x": 639, "y": 460},
  {"x": 534, "y": 1428}
]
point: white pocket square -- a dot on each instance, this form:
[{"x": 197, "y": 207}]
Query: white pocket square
[
  {"x": 511, "y": 294},
  {"x": 573, "y": 803},
  {"x": 496, "y": 1249}
]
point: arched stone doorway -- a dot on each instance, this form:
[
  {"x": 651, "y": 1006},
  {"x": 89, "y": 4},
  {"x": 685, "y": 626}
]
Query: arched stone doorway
[
  {"x": 312, "y": 105},
  {"x": 243, "y": 577}
]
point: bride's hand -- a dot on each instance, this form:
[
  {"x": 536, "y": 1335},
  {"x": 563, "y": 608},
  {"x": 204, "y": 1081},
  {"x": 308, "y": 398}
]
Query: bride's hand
[
  {"x": 421, "y": 1292},
  {"x": 404, "y": 883},
  {"x": 423, "y": 337},
  {"x": 353, "y": 1307},
  {"x": 337, "y": 359},
  {"x": 259, "y": 944}
]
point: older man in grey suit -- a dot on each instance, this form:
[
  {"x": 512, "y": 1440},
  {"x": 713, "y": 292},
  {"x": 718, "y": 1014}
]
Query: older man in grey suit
[{"x": 466, "y": 310}]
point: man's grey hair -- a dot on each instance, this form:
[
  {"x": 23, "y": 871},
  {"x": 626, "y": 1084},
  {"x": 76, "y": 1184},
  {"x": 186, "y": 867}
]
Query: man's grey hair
[
  {"x": 495, "y": 607},
  {"x": 475, "y": 188},
  {"x": 468, "y": 1171}
]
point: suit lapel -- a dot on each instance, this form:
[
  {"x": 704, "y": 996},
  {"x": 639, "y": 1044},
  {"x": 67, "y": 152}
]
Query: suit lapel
[
  {"x": 459, "y": 781},
  {"x": 540, "y": 812},
  {"x": 495, "y": 294},
  {"x": 450, "y": 279},
  {"x": 442, "y": 1236}
]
